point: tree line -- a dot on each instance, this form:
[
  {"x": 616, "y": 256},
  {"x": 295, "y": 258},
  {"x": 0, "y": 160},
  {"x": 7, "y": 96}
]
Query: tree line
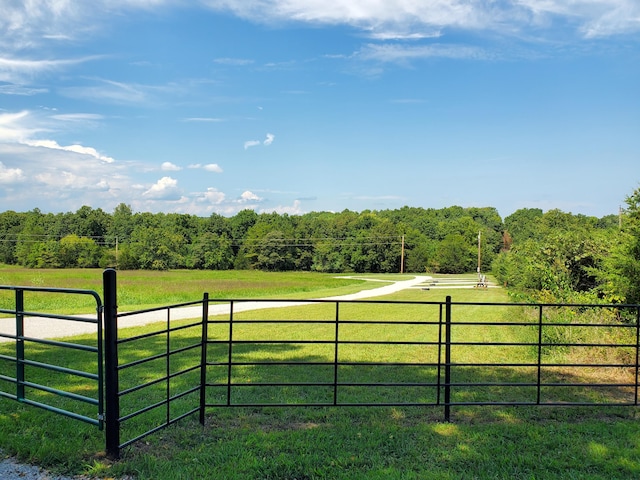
[
  {"x": 551, "y": 256},
  {"x": 406, "y": 239}
]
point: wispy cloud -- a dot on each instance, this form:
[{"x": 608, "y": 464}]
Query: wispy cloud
[
  {"x": 78, "y": 117},
  {"x": 403, "y": 53},
  {"x": 20, "y": 70},
  {"x": 270, "y": 137},
  {"x": 109, "y": 91},
  {"x": 203, "y": 119},
  {"x": 210, "y": 167},
  {"x": 251, "y": 143},
  {"x": 417, "y": 18},
  {"x": 236, "y": 62},
  {"x": 269, "y": 140},
  {"x": 12, "y": 89},
  {"x": 15, "y": 126},
  {"x": 27, "y": 25},
  {"x": 52, "y": 144}
]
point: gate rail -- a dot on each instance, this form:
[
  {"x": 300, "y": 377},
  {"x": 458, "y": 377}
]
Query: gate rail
[{"x": 22, "y": 381}]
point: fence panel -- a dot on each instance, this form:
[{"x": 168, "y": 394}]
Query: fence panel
[
  {"x": 324, "y": 354},
  {"x": 26, "y": 372},
  {"x": 544, "y": 357},
  {"x": 154, "y": 377}
]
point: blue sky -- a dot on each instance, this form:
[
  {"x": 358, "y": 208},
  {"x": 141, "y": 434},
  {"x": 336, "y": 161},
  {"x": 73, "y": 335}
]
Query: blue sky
[{"x": 294, "y": 106}]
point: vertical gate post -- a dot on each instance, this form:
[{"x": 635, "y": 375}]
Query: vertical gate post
[
  {"x": 112, "y": 400},
  {"x": 447, "y": 361},
  {"x": 336, "y": 346},
  {"x": 20, "y": 344},
  {"x": 203, "y": 355},
  {"x": 635, "y": 401}
]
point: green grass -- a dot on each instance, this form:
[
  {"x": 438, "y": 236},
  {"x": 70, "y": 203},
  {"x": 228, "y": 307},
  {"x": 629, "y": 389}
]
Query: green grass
[
  {"x": 138, "y": 289},
  {"x": 346, "y": 442}
]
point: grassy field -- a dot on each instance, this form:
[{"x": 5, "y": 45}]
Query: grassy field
[
  {"x": 328, "y": 442},
  {"x": 138, "y": 289}
]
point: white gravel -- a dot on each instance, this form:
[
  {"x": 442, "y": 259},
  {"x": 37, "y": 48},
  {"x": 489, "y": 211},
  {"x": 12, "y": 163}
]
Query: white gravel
[
  {"x": 10, "y": 469},
  {"x": 36, "y": 327}
]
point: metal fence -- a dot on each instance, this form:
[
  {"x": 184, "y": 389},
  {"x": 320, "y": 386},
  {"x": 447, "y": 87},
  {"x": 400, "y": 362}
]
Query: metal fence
[
  {"x": 27, "y": 384},
  {"x": 199, "y": 356},
  {"x": 403, "y": 354}
]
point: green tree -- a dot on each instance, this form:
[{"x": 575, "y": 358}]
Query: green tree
[
  {"x": 75, "y": 251},
  {"x": 211, "y": 252},
  {"x": 620, "y": 276},
  {"x": 11, "y": 224},
  {"x": 155, "y": 248},
  {"x": 454, "y": 255}
]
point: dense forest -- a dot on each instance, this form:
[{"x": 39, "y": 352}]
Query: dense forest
[{"x": 552, "y": 255}]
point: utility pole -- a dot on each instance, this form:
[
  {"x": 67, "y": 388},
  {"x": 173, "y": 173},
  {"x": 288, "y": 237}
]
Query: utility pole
[
  {"x": 479, "y": 254},
  {"x": 402, "y": 256},
  {"x": 620, "y": 217}
]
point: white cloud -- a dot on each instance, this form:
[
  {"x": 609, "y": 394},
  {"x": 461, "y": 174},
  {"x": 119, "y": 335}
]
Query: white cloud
[
  {"x": 111, "y": 92},
  {"x": 52, "y": 144},
  {"x": 11, "y": 89},
  {"x": 213, "y": 167},
  {"x": 164, "y": 189},
  {"x": 78, "y": 117},
  {"x": 402, "y": 53},
  {"x": 13, "y": 128},
  {"x": 251, "y": 143},
  {"x": 16, "y": 70},
  {"x": 295, "y": 209},
  {"x": 203, "y": 119},
  {"x": 270, "y": 137},
  {"x": 27, "y": 25},
  {"x": 11, "y": 175},
  {"x": 213, "y": 196},
  {"x": 238, "y": 62},
  {"x": 248, "y": 196},
  {"x": 170, "y": 167},
  {"x": 419, "y": 18},
  {"x": 60, "y": 180}
]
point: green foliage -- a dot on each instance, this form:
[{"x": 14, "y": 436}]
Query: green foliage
[
  {"x": 559, "y": 257},
  {"x": 454, "y": 255},
  {"x": 620, "y": 277},
  {"x": 553, "y": 251}
]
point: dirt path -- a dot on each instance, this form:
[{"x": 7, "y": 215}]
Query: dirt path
[{"x": 48, "y": 328}]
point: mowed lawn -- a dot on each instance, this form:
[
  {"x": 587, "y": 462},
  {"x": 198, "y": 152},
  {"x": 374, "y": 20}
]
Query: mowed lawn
[{"x": 402, "y": 442}]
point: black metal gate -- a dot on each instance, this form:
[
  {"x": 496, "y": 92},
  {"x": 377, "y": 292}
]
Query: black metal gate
[
  {"x": 27, "y": 384},
  {"x": 212, "y": 373},
  {"x": 186, "y": 364}
]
